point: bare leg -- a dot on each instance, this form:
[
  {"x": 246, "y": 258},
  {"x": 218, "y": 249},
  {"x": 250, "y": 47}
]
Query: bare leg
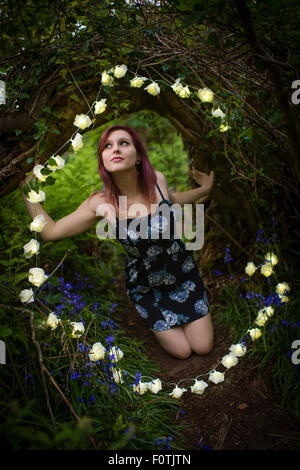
[
  {"x": 174, "y": 342},
  {"x": 181, "y": 341},
  {"x": 200, "y": 335}
]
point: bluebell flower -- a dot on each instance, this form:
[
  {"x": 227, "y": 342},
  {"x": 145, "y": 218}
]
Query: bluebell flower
[
  {"x": 217, "y": 273},
  {"x": 109, "y": 339},
  {"x": 138, "y": 376},
  {"x": 259, "y": 234},
  {"x": 227, "y": 256}
]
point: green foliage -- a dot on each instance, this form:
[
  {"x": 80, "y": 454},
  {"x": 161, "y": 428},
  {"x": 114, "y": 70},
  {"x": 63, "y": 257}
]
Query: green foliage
[
  {"x": 94, "y": 37},
  {"x": 81, "y": 289},
  {"x": 240, "y": 299},
  {"x": 106, "y": 414}
]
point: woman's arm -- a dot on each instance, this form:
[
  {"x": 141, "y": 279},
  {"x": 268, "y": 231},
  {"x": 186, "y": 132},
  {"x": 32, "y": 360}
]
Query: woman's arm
[
  {"x": 83, "y": 218},
  {"x": 193, "y": 195}
]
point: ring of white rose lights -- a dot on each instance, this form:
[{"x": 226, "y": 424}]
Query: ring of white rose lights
[{"x": 37, "y": 275}]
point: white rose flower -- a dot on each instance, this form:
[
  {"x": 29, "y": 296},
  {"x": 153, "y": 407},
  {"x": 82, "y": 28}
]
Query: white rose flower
[
  {"x": 77, "y": 329},
  {"x": 153, "y": 89},
  {"x": 97, "y": 352},
  {"x": 229, "y": 360},
  {"x": 184, "y": 92},
  {"x": 255, "y": 333},
  {"x": 238, "y": 349},
  {"x": 141, "y": 388},
  {"x": 37, "y": 276},
  {"x": 261, "y": 318},
  {"x": 155, "y": 386},
  {"x": 177, "y": 87},
  {"x": 177, "y": 392},
  {"x": 216, "y": 377},
  {"x": 282, "y": 287},
  {"x": 37, "y": 172},
  {"x": 120, "y": 71},
  {"x": 117, "y": 375},
  {"x": 250, "y": 268},
  {"x": 137, "y": 82},
  {"x": 38, "y": 223},
  {"x": 217, "y": 113},
  {"x": 205, "y": 95},
  {"x": 118, "y": 354},
  {"x": 100, "y": 106},
  {"x": 60, "y": 163},
  {"x": 271, "y": 258},
  {"x": 52, "y": 321},
  {"x": 199, "y": 387},
  {"x": 82, "y": 121},
  {"x": 269, "y": 310},
  {"x": 26, "y": 296},
  {"x": 31, "y": 248},
  {"x": 35, "y": 197},
  {"x": 283, "y": 298},
  {"x": 106, "y": 79},
  {"x": 77, "y": 142},
  {"x": 223, "y": 127},
  {"x": 266, "y": 269}
]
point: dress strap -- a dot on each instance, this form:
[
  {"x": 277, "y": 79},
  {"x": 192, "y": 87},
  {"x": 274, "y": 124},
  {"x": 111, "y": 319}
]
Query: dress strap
[{"x": 161, "y": 192}]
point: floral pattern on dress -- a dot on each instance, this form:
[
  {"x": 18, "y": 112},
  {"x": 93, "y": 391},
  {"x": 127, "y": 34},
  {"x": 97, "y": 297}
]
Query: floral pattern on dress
[
  {"x": 170, "y": 320},
  {"x": 147, "y": 263},
  {"x": 132, "y": 250},
  {"x": 201, "y": 307},
  {"x": 140, "y": 289},
  {"x": 174, "y": 248},
  {"x": 160, "y": 325},
  {"x": 157, "y": 296},
  {"x": 170, "y": 317},
  {"x": 134, "y": 237},
  {"x": 161, "y": 278},
  {"x": 141, "y": 311},
  {"x": 188, "y": 264},
  {"x": 182, "y": 293},
  {"x": 158, "y": 224},
  {"x": 131, "y": 261},
  {"x": 133, "y": 273},
  {"x": 154, "y": 250},
  {"x": 182, "y": 318}
]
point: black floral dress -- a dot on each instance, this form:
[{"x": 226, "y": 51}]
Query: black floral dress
[{"x": 162, "y": 279}]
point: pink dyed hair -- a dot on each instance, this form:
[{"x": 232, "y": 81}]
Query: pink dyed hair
[{"x": 146, "y": 177}]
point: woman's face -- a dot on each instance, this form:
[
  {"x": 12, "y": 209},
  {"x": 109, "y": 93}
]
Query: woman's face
[{"x": 119, "y": 152}]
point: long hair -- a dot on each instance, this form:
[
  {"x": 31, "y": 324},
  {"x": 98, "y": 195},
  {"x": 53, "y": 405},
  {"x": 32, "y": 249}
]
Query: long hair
[{"x": 146, "y": 175}]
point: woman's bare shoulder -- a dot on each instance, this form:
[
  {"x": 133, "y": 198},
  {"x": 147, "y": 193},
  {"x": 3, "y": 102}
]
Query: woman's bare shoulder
[
  {"x": 95, "y": 199},
  {"x": 160, "y": 176}
]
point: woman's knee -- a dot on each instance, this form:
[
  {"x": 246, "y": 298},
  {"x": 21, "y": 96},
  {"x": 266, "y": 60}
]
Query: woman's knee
[
  {"x": 175, "y": 343},
  {"x": 204, "y": 346},
  {"x": 182, "y": 353},
  {"x": 200, "y": 335}
]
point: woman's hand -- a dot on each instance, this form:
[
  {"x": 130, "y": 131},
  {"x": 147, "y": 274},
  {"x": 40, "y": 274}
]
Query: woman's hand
[{"x": 204, "y": 180}]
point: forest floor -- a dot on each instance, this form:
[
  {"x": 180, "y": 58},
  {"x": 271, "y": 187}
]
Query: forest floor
[{"x": 241, "y": 413}]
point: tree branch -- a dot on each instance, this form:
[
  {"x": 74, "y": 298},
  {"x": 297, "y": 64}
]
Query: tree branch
[{"x": 276, "y": 76}]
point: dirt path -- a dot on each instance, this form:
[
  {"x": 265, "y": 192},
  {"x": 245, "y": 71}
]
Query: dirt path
[{"x": 242, "y": 413}]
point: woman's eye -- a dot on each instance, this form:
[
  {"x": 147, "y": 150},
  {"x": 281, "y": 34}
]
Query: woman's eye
[
  {"x": 124, "y": 142},
  {"x": 106, "y": 146}
]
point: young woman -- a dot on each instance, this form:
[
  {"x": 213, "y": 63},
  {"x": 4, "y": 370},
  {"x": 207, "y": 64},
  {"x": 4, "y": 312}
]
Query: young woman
[{"x": 162, "y": 279}]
